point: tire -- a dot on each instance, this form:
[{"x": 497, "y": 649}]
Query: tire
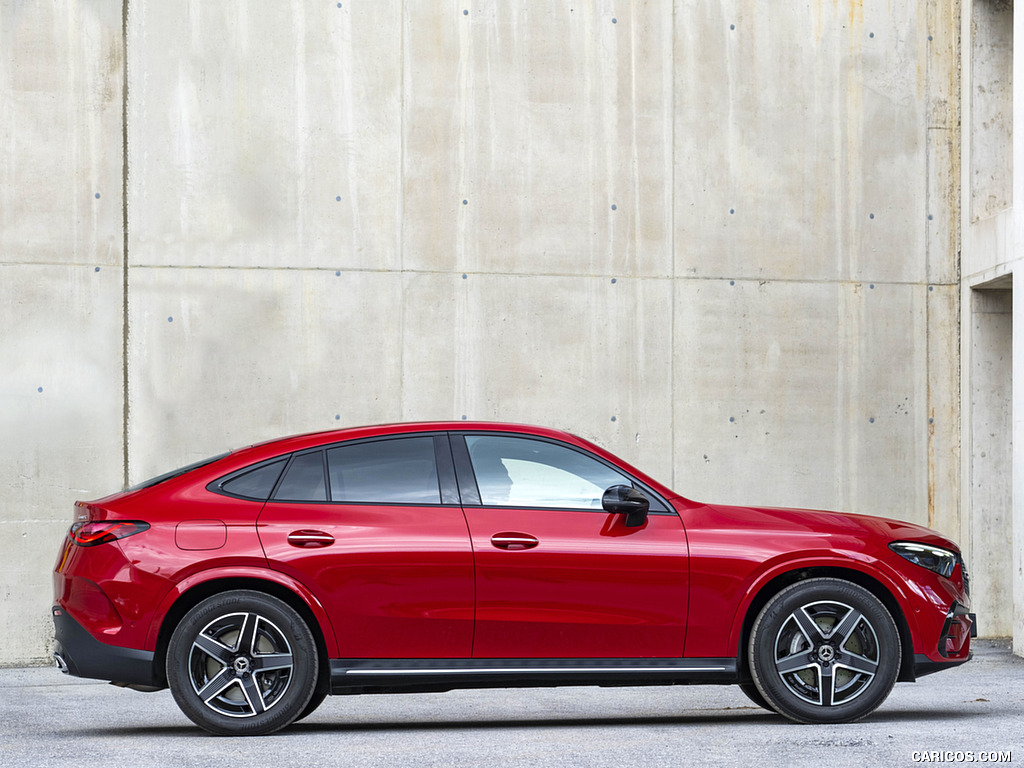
[
  {"x": 319, "y": 694},
  {"x": 755, "y": 696},
  {"x": 242, "y": 663},
  {"x": 824, "y": 651}
]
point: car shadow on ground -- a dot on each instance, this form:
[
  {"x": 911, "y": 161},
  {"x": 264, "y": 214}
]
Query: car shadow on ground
[{"x": 735, "y": 717}]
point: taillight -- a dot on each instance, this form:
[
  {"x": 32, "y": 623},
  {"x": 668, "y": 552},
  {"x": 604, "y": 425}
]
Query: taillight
[{"x": 102, "y": 531}]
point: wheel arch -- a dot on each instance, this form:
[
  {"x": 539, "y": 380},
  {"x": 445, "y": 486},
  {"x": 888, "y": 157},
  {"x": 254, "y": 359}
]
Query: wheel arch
[
  {"x": 194, "y": 594},
  {"x": 873, "y": 585}
]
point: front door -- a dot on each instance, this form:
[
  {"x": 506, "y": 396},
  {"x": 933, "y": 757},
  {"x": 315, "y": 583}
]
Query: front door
[{"x": 556, "y": 575}]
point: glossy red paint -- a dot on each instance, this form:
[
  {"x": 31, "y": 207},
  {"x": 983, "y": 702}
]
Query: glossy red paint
[
  {"x": 730, "y": 568},
  {"x": 397, "y": 581},
  {"x": 473, "y": 582},
  {"x": 211, "y": 578},
  {"x": 140, "y": 570},
  {"x": 590, "y": 588}
]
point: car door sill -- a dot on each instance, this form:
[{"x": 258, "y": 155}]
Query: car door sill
[{"x": 349, "y": 676}]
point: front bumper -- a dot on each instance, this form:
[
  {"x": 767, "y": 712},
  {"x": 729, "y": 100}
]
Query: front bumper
[
  {"x": 954, "y": 643},
  {"x": 80, "y": 654},
  {"x": 925, "y": 666},
  {"x": 960, "y": 625}
]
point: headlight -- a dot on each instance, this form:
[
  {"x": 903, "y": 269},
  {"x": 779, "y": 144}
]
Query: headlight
[{"x": 942, "y": 561}]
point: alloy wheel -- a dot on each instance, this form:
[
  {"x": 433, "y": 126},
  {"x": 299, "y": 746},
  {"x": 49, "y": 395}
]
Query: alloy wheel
[
  {"x": 824, "y": 650},
  {"x": 240, "y": 665},
  {"x": 826, "y": 653}
]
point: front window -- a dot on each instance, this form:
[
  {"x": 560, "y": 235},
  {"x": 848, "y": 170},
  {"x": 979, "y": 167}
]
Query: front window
[{"x": 521, "y": 472}]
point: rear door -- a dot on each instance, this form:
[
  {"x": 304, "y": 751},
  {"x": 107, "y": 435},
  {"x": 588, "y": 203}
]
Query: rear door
[
  {"x": 374, "y": 529},
  {"x": 556, "y": 575}
]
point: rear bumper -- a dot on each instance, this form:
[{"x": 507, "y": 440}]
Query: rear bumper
[{"x": 80, "y": 654}]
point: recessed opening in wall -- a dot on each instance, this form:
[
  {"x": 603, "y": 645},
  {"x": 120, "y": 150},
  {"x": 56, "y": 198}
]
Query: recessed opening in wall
[
  {"x": 991, "y": 472},
  {"x": 991, "y": 107}
]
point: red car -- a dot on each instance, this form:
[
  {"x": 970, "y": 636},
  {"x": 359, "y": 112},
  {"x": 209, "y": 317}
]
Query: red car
[{"x": 429, "y": 557}]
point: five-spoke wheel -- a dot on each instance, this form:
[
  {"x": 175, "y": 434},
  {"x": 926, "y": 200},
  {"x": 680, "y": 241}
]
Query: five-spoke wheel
[
  {"x": 242, "y": 662},
  {"x": 824, "y": 650}
]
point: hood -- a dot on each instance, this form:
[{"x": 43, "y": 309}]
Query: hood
[{"x": 843, "y": 524}]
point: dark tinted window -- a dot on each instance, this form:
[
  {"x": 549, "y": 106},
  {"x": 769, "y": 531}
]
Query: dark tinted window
[
  {"x": 304, "y": 479},
  {"x": 400, "y": 471},
  {"x": 256, "y": 483}
]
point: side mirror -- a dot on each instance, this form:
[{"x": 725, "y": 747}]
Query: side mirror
[{"x": 621, "y": 499}]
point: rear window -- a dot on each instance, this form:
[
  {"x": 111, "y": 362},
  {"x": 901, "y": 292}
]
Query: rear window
[
  {"x": 304, "y": 480},
  {"x": 177, "y": 472},
  {"x": 397, "y": 471}
]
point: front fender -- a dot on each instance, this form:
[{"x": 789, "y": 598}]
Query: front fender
[{"x": 780, "y": 568}]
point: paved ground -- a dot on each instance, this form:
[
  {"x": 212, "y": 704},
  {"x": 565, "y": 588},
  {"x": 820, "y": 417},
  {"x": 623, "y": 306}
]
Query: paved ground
[{"x": 48, "y": 719}]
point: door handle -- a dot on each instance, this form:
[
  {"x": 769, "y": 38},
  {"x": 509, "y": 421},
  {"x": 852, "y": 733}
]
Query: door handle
[
  {"x": 512, "y": 540},
  {"x": 308, "y": 539}
]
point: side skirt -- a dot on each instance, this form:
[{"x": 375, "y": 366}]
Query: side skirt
[{"x": 350, "y": 676}]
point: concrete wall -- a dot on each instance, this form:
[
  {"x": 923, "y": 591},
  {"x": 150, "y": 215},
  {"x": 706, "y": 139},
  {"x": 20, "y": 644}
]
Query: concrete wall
[
  {"x": 61, "y": 292},
  {"x": 992, "y": 352},
  {"x": 991, "y": 457},
  {"x": 718, "y": 238},
  {"x": 1014, "y": 265}
]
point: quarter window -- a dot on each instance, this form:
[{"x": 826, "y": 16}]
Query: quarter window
[
  {"x": 520, "y": 472},
  {"x": 256, "y": 483},
  {"x": 398, "y": 471}
]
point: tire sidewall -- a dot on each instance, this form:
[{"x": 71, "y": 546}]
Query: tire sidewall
[
  {"x": 751, "y": 692},
  {"x": 761, "y": 650},
  {"x": 305, "y": 669}
]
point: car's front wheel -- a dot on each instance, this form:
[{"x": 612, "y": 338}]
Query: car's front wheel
[
  {"x": 824, "y": 651},
  {"x": 751, "y": 692},
  {"x": 242, "y": 663}
]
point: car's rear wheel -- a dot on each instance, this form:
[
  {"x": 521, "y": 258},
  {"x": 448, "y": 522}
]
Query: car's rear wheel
[
  {"x": 242, "y": 663},
  {"x": 319, "y": 694},
  {"x": 824, "y": 651}
]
